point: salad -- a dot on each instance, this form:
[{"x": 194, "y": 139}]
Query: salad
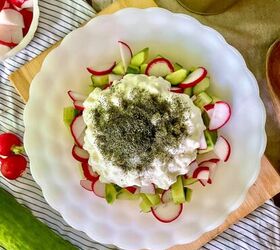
[
  {"x": 164, "y": 202},
  {"x": 15, "y": 20}
]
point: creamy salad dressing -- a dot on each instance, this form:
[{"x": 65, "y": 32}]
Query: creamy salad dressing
[{"x": 162, "y": 171}]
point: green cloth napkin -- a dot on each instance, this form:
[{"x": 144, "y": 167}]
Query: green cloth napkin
[{"x": 251, "y": 26}]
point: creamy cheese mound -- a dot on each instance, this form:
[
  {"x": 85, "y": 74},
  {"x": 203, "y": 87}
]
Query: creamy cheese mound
[{"x": 113, "y": 133}]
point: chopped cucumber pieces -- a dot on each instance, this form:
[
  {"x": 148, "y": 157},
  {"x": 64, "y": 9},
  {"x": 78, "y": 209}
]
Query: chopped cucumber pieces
[
  {"x": 188, "y": 194},
  {"x": 211, "y": 138},
  {"x": 177, "y": 76},
  {"x": 140, "y": 57},
  {"x": 153, "y": 198},
  {"x": 188, "y": 91},
  {"x": 143, "y": 68},
  {"x": 201, "y": 86},
  {"x": 126, "y": 195},
  {"x": 205, "y": 118},
  {"x": 110, "y": 193},
  {"x": 119, "y": 69},
  {"x": 177, "y": 190},
  {"x": 202, "y": 99},
  {"x": 177, "y": 66},
  {"x": 99, "y": 81},
  {"x": 69, "y": 113},
  {"x": 145, "y": 204},
  {"x": 131, "y": 69},
  {"x": 189, "y": 181}
]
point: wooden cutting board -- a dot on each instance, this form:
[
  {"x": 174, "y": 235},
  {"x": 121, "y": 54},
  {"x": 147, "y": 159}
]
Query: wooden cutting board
[{"x": 266, "y": 186}]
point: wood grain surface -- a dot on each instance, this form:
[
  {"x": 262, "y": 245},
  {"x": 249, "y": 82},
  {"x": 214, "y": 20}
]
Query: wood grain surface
[{"x": 266, "y": 186}]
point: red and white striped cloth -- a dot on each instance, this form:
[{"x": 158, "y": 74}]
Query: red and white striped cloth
[{"x": 259, "y": 230}]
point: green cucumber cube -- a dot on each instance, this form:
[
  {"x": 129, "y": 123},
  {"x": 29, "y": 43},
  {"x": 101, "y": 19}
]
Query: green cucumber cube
[
  {"x": 131, "y": 69},
  {"x": 211, "y": 138},
  {"x": 153, "y": 198},
  {"x": 124, "y": 194},
  {"x": 177, "y": 190},
  {"x": 119, "y": 69},
  {"x": 201, "y": 86},
  {"x": 188, "y": 91},
  {"x": 69, "y": 113},
  {"x": 110, "y": 193},
  {"x": 205, "y": 118},
  {"x": 188, "y": 194},
  {"x": 145, "y": 204},
  {"x": 202, "y": 99},
  {"x": 189, "y": 181},
  {"x": 99, "y": 81},
  {"x": 143, "y": 68},
  {"x": 177, "y": 77},
  {"x": 140, "y": 57}
]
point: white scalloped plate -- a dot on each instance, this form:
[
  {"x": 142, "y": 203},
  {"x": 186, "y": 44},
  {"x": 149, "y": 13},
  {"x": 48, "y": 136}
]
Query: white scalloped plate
[{"x": 48, "y": 143}]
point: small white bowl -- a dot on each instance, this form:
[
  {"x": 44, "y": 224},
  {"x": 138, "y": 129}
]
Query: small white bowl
[{"x": 28, "y": 37}]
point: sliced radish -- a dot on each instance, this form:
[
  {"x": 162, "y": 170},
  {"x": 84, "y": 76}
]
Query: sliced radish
[
  {"x": 17, "y": 3},
  {"x": 222, "y": 148},
  {"x": 131, "y": 189},
  {"x": 88, "y": 173},
  {"x": 213, "y": 160},
  {"x": 27, "y": 18},
  {"x": 204, "y": 182},
  {"x": 86, "y": 184},
  {"x": 166, "y": 196},
  {"x": 220, "y": 115},
  {"x": 79, "y": 105},
  {"x": 201, "y": 173},
  {"x": 202, "y": 142},
  {"x": 212, "y": 169},
  {"x": 167, "y": 212},
  {"x": 2, "y": 4},
  {"x": 80, "y": 154},
  {"x": 27, "y": 4},
  {"x": 194, "y": 78},
  {"x": 77, "y": 128},
  {"x": 10, "y": 45},
  {"x": 11, "y": 17},
  {"x": 150, "y": 189},
  {"x": 206, "y": 157},
  {"x": 75, "y": 96},
  {"x": 114, "y": 77},
  {"x": 176, "y": 90},
  {"x": 126, "y": 54},
  {"x": 101, "y": 72},
  {"x": 159, "y": 67},
  {"x": 192, "y": 166},
  {"x": 4, "y": 49},
  {"x": 209, "y": 109},
  {"x": 99, "y": 189}
]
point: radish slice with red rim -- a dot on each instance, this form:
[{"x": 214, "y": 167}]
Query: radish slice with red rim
[
  {"x": 194, "y": 78},
  {"x": 220, "y": 116},
  {"x": 77, "y": 129},
  {"x": 88, "y": 173},
  {"x": 79, "y": 105},
  {"x": 131, "y": 189},
  {"x": 209, "y": 109},
  {"x": 75, "y": 96},
  {"x": 166, "y": 196},
  {"x": 27, "y": 4},
  {"x": 150, "y": 189},
  {"x": 202, "y": 142},
  {"x": 176, "y": 90},
  {"x": 126, "y": 54},
  {"x": 206, "y": 157},
  {"x": 27, "y": 18},
  {"x": 212, "y": 165},
  {"x": 11, "y": 17},
  {"x": 80, "y": 154},
  {"x": 159, "y": 67},
  {"x": 99, "y": 189},
  {"x": 222, "y": 148},
  {"x": 201, "y": 173},
  {"x": 100, "y": 72},
  {"x": 167, "y": 212},
  {"x": 86, "y": 184}
]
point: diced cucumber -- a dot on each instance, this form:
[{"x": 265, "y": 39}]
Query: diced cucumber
[
  {"x": 188, "y": 91},
  {"x": 177, "y": 77},
  {"x": 215, "y": 99},
  {"x": 211, "y": 138},
  {"x": 159, "y": 191},
  {"x": 126, "y": 195},
  {"x": 189, "y": 181},
  {"x": 99, "y": 81},
  {"x": 131, "y": 69},
  {"x": 188, "y": 194},
  {"x": 153, "y": 198},
  {"x": 119, "y": 69},
  {"x": 205, "y": 118},
  {"x": 140, "y": 57},
  {"x": 69, "y": 113},
  {"x": 145, "y": 204},
  {"x": 202, "y": 99},
  {"x": 143, "y": 68},
  {"x": 110, "y": 193},
  {"x": 177, "y": 190},
  {"x": 177, "y": 66},
  {"x": 201, "y": 86}
]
